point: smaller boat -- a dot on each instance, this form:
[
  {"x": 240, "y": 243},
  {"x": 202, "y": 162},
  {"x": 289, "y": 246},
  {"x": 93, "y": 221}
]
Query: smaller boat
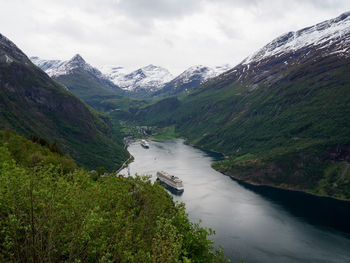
[
  {"x": 172, "y": 183},
  {"x": 144, "y": 144}
]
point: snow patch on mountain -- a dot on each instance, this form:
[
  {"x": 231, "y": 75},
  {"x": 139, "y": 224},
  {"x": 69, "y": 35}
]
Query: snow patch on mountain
[
  {"x": 222, "y": 68},
  {"x": 56, "y": 68},
  {"x": 149, "y": 78},
  {"x": 113, "y": 73},
  {"x": 323, "y": 34},
  {"x": 201, "y": 73},
  {"x": 198, "y": 72}
]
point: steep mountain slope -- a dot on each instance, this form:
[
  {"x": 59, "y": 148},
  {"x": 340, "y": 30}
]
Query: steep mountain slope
[
  {"x": 189, "y": 80},
  {"x": 83, "y": 80},
  {"x": 32, "y": 103},
  {"x": 56, "y": 68},
  {"x": 282, "y": 115},
  {"x": 270, "y": 63}
]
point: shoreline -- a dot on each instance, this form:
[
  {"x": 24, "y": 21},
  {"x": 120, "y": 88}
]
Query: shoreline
[
  {"x": 125, "y": 164},
  {"x": 225, "y": 157},
  {"x": 249, "y": 182},
  {"x": 282, "y": 188},
  {"x": 128, "y": 161},
  {"x": 192, "y": 145}
]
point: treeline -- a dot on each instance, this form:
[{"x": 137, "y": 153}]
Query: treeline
[{"x": 53, "y": 211}]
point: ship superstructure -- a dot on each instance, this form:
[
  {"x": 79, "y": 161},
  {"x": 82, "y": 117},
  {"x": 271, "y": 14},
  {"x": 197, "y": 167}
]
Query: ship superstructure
[
  {"x": 171, "y": 182},
  {"x": 144, "y": 144}
]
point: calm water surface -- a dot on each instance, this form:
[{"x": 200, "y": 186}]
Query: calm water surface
[{"x": 255, "y": 224}]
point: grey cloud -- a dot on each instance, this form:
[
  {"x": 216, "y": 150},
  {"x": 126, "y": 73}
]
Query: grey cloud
[
  {"x": 324, "y": 4},
  {"x": 169, "y": 43},
  {"x": 150, "y": 9},
  {"x": 315, "y": 3},
  {"x": 69, "y": 27},
  {"x": 230, "y": 31}
]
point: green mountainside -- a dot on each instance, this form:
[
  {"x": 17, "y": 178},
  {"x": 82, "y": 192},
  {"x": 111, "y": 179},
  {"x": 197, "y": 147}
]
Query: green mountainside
[
  {"x": 32, "y": 103},
  {"x": 86, "y": 83},
  {"x": 88, "y": 88},
  {"x": 52, "y": 211},
  {"x": 100, "y": 96},
  {"x": 291, "y": 131}
]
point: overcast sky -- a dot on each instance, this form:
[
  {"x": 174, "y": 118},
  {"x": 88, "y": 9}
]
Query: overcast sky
[{"x": 174, "y": 34}]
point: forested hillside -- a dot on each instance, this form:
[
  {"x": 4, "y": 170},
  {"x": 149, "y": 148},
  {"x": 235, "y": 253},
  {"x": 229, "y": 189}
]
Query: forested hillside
[{"x": 52, "y": 211}]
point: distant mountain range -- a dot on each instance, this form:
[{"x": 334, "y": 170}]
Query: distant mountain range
[
  {"x": 150, "y": 80},
  {"x": 190, "y": 79},
  {"x": 282, "y": 115}
]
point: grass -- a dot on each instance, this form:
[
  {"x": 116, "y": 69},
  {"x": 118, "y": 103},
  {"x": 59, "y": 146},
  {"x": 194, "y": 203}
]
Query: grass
[{"x": 165, "y": 133}]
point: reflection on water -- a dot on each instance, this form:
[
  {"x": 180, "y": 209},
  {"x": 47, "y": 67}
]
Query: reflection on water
[
  {"x": 322, "y": 211},
  {"x": 256, "y": 224}
]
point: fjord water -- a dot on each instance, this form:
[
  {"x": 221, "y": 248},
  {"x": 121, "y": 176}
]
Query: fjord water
[{"x": 254, "y": 224}]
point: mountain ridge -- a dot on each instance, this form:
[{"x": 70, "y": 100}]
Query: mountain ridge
[
  {"x": 56, "y": 68},
  {"x": 190, "y": 79},
  {"x": 145, "y": 81},
  {"x": 316, "y": 35}
]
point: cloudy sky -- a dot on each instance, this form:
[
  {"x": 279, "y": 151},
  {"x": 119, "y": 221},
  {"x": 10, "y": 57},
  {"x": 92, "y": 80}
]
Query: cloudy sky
[{"x": 174, "y": 34}]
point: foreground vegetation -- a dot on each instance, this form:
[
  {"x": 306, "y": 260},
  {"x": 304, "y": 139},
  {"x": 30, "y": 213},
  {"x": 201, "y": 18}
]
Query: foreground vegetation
[{"x": 53, "y": 211}]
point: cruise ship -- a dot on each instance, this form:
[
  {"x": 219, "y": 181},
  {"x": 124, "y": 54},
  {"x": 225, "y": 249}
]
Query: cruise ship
[
  {"x": 144, "y": 144},
  {"x": 172, "y": 183}
]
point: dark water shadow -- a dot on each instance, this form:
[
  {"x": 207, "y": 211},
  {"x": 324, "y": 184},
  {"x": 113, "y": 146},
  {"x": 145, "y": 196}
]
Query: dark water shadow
[
  {"x": 216, "y": 156},
  {"x": 322, "y": 211}
]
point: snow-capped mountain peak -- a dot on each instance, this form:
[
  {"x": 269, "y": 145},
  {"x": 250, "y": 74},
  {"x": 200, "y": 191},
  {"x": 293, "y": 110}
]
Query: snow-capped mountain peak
[
  {"x": 191, "y": 78},
  {"x": 55, "y": 68},
  {"x": 151, "y": 67},
  {"x": 77, "y": 59},
  {"x": 148, "y": 78},
  {"x": 324, "y": 34},
  {"x": 198, "y": 72},
  {"x": 201, "y": 73}
]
